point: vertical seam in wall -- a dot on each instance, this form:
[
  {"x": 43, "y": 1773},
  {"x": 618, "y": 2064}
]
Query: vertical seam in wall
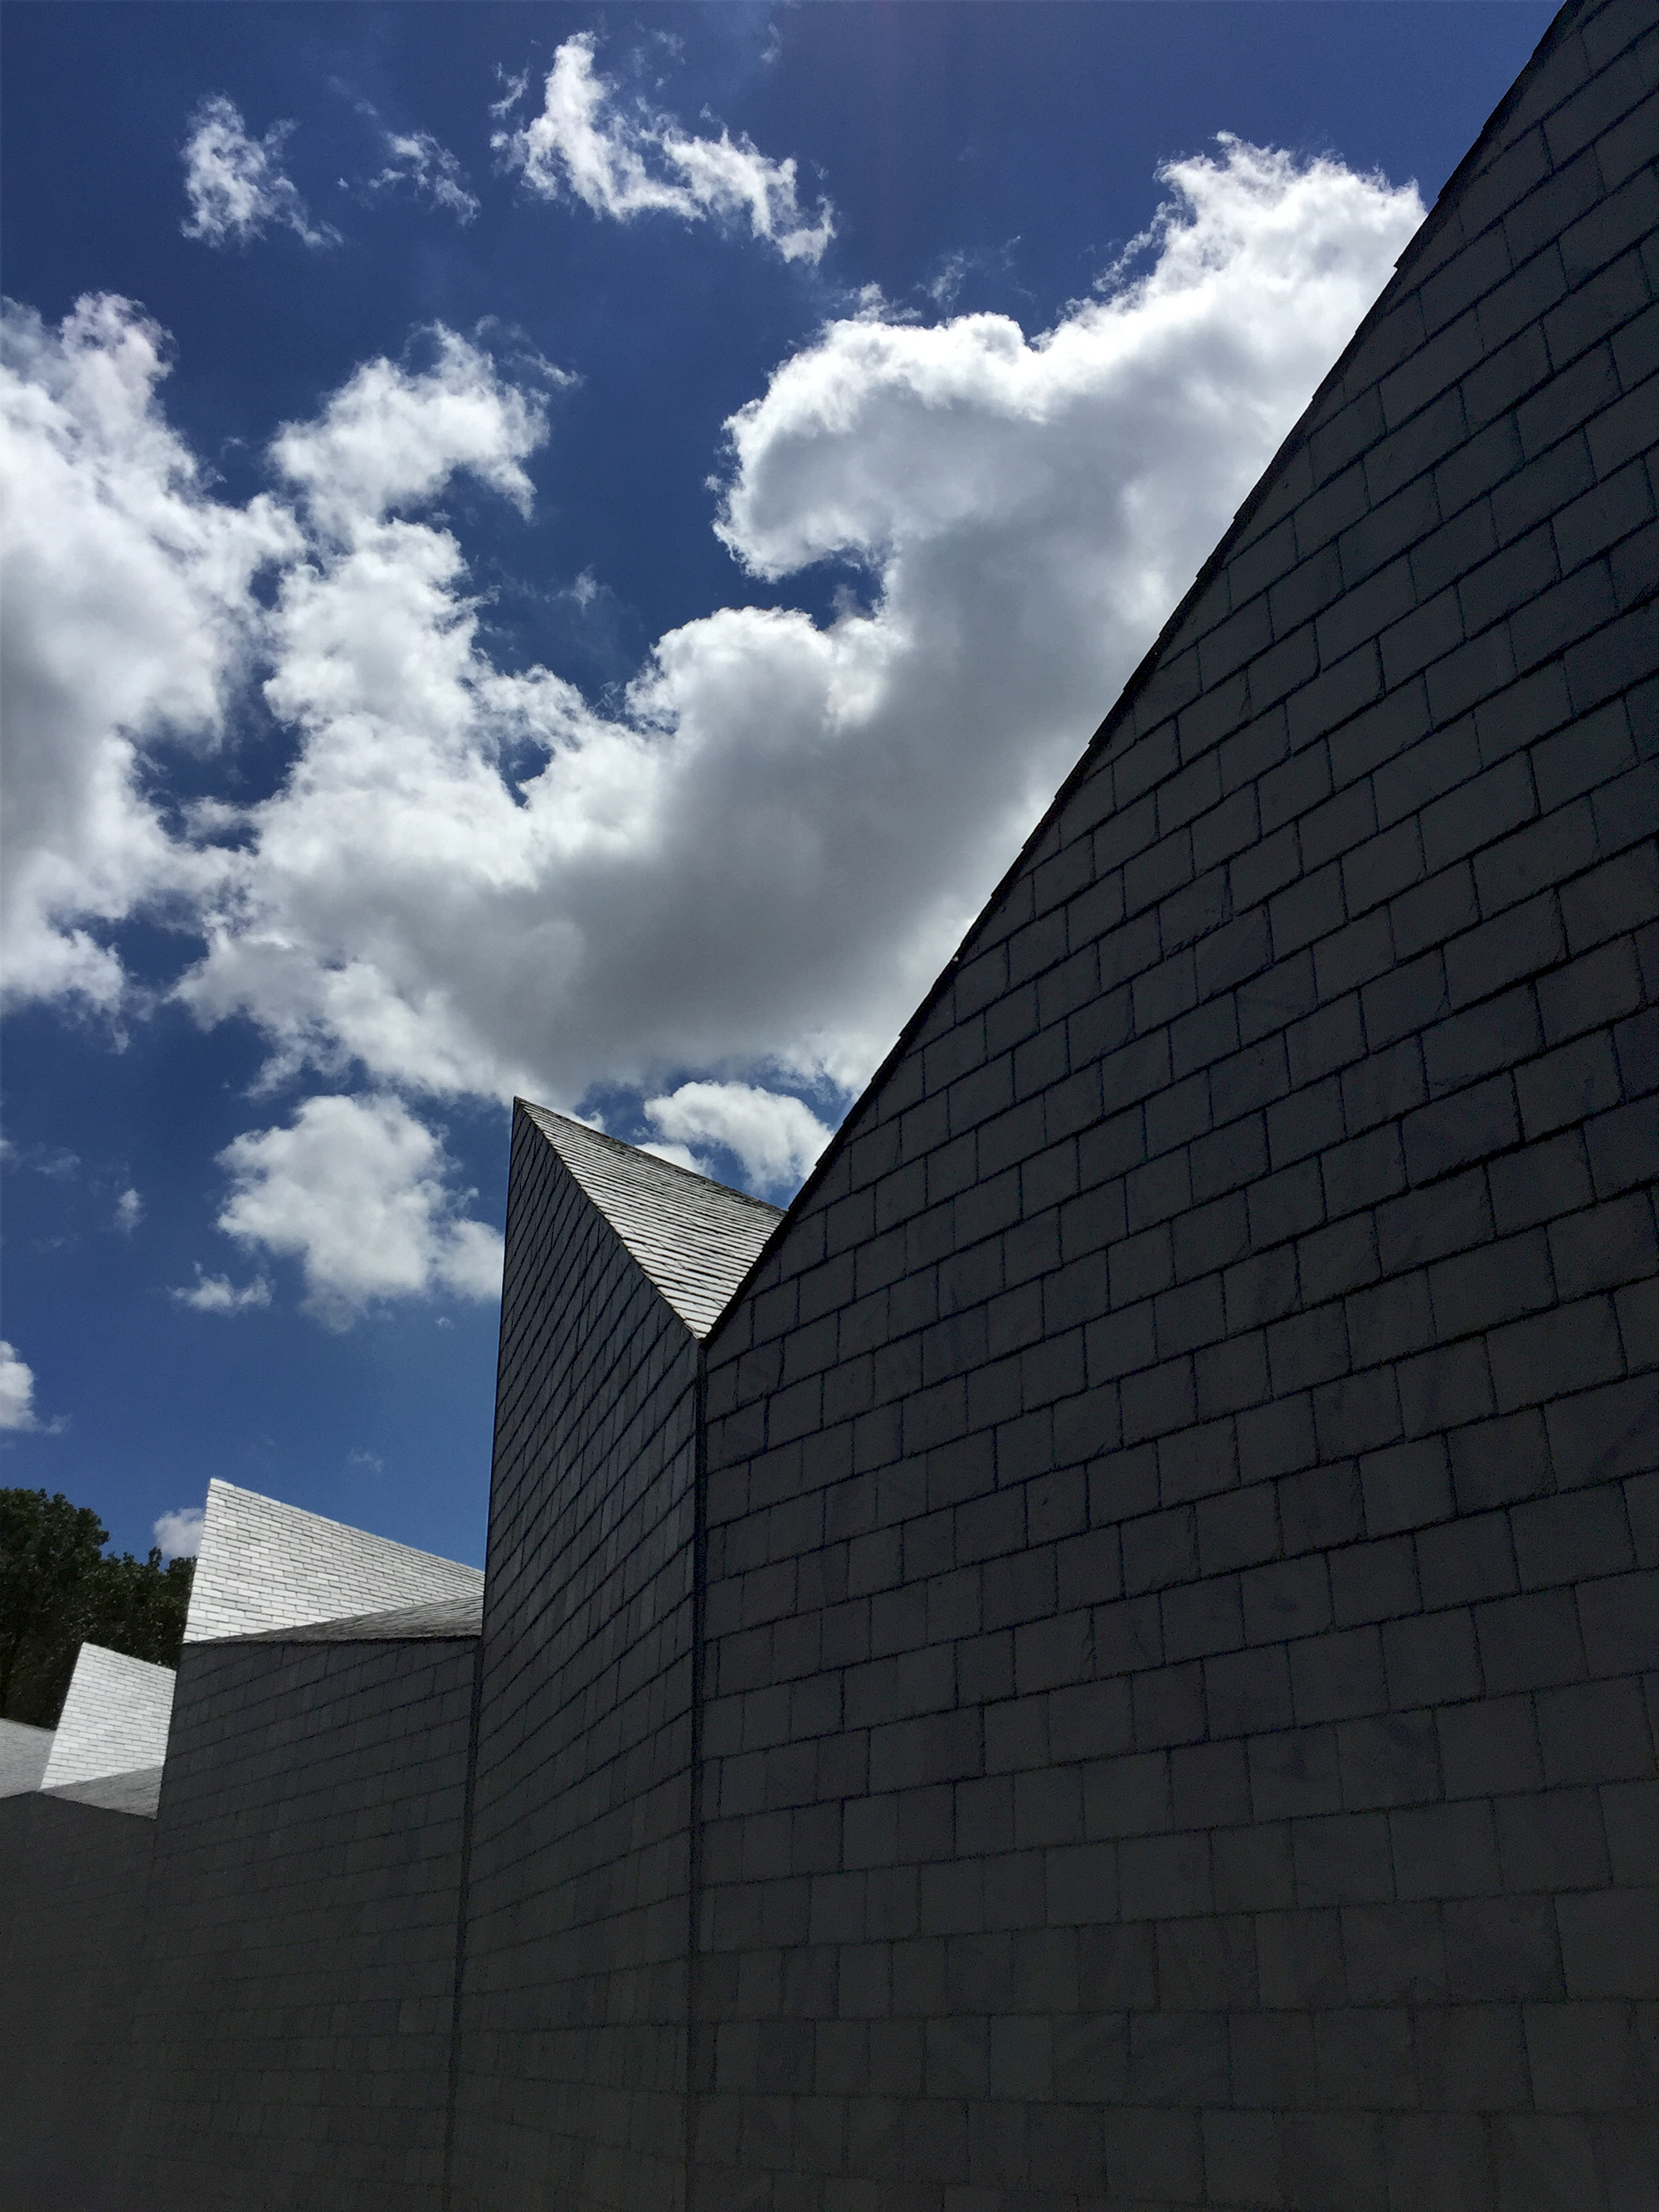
[
  {"x": 452, "y": 2090},
  {"x": 693, "y": 1882}
]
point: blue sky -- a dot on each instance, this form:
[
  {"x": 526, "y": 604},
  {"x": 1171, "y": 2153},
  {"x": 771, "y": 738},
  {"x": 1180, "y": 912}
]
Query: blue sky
[{"x": 561, "y": 548}]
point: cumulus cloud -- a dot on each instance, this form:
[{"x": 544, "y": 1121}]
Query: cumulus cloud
[
  {"x": 416, "y": 159},
  {"x": 125, "y": 617},
  {"x": 128, "y": 1211},
  {"x": 180, "y": 1535},
  {"x": 360, "y": 1194},
  {"x": 235, "y": 184},
  {"x": 217, "y": 1294},
  {"x": 16, "y": 1390},
  {"x": 392, "y": 437},
  {"x": 776, "y": 1138},
  {"x": 624, "y": 163},
  {"x": 471, "y": 881}
]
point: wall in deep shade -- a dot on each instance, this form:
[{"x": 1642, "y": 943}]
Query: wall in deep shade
[
  {"x": 291, "y": 2037},
  {"x": 1178, "y": 1489},
  {"x": 73, "y": 1880},
  {"x": 573, "y": 2047}
]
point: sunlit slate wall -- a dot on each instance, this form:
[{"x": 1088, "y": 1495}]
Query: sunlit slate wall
[
  {"x": 291, "y": 2032},
  {"x": 1181, "y": 1496},
  {"x": 72, "y": 1878},
  {"x": 572, "y": 2059}
]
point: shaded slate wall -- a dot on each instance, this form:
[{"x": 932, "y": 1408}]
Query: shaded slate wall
[
  {"x": 572, "y": 2062},
  {"x": 291, "y": 2038},
  {"x": 72, "y": 1877},
  {"x": 1182, "y": 1494}
]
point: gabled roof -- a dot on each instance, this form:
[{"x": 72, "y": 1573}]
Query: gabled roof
[
  {"x": 265, "y": 1567},
  {"x": 695, "y": 1240},
  {"x": 111, "y": 1738}
]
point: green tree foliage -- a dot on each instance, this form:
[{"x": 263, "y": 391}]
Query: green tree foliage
[{"x": 58, "y": 1590}]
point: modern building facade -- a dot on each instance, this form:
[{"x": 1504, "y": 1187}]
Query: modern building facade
[{"x": 1109, "y": 1656}]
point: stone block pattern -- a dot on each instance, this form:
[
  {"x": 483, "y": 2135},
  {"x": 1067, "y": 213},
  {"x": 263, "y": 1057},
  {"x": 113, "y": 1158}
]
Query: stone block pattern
[
  {"x": 291, "y": 2032},
  {"x": 72, "y": 1879},
  {"x": 1184, "y": 1493},
  {"x": 572, "y": 2061}
]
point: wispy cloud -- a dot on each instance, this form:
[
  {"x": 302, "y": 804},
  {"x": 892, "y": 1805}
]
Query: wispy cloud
[
  {"x": 622, "y": 163},
  {"x": 235, "y": 184},
  {"x": 415, "y": 158},
  {"x": 217, "y": 1294},
  {"x": 128, "y": 1211}
]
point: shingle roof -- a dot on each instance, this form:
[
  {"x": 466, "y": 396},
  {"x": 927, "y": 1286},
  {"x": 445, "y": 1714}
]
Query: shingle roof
[
  {"x": 268, "y": 1567},
  {"x": 114, "y": 1720},
  {"x": 694, "y": 1239},
  {"x": 433, "y": 1619},
  {"x": 139, "y": 1792}
]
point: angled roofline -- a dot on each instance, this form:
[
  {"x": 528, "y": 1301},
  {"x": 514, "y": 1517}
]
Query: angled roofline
[
  {"x": 1293, "y": 440},
  {"x": 679, "y": 1228}
]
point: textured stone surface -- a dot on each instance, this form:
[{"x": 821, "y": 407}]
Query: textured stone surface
[
  {"x": 291, "y": 2035},
  {"x": 72, "y": 1883},
  {"x": 265, "y": 1566},
  {"x": 572, "y": 2060}
]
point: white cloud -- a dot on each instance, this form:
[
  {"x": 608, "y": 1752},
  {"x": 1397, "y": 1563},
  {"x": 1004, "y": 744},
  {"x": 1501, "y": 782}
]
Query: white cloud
[
  {"x": 217, "y": 1294},
  {"x": 392, "y": 437},
  {"x": 358, "y": 1191},
  {"x": 470, "y": 882},
  {"x": 180, "y": 1535},
  {"x": 235, "y": 184},
  {"x": 416, "y": 158},
  {"x": 16, "y": 1391},
  {"x": 776, "y": 1138},
  {"x": 126, "y": 616},
  {"x": 128, "y": 1211},
  {"x": 621, "y": 164}
]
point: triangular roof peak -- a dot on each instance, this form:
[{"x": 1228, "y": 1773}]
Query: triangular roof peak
[
  {"x": 267, "y": 1566},
  {"x": 694, "y": 1240}
]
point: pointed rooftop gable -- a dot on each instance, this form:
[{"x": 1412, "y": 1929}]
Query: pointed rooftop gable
[
  {"x": 115, "y": 1722},
  {"x": 265, "y": 1567},
  {"x": 693, "y": 1239}
]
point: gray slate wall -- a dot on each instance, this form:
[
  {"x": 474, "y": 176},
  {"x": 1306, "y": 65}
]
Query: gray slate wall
[
  {"x": 572, "y": 2062},
  {"x": 291, "y": 2038},
  {"x": 73, "y": 1879},
  {"x": 1181, "y": 1495}
]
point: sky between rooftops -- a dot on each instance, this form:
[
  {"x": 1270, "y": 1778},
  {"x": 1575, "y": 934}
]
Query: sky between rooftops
[{"x": 563, "y": 549}]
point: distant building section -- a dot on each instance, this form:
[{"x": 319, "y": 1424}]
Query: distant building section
[{"x": 24, "y": 1752}]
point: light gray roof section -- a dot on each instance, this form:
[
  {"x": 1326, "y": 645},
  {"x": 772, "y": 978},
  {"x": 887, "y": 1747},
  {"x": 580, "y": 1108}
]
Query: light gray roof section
[
  {"x": 434, "y": 1619},
  {"x": 265, "y": 1566},
  {"x": 24, "y": 1752},
  {"x": 694, "y": 1239},
  {"x": 114, "y": 1719},
  {"x": 139, "y": 1792}
]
